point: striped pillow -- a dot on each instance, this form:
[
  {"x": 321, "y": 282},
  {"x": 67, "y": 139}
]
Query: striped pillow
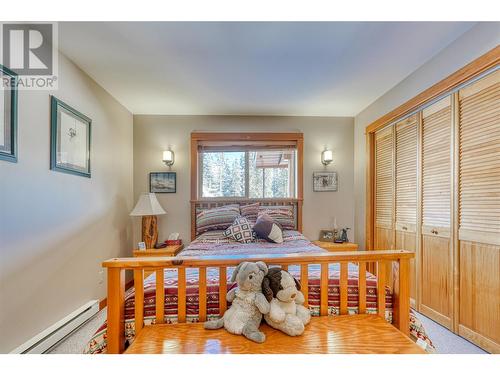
[
  {"x": 250, "y": 211},
  {"x": 283, "y": 215},
  {"x": 216, "y": 218}
]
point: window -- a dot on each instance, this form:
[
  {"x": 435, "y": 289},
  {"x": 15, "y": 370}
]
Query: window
[{"x": 247, "y": 173}]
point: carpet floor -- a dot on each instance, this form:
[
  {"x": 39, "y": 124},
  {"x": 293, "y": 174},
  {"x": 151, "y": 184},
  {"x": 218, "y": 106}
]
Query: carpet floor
[
  {"x": 75, "y": 343},
  {"x": 445, "y": 341}
]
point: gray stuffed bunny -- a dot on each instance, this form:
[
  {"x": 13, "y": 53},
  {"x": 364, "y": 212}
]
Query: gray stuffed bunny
[{"x": 247, "y": 303}]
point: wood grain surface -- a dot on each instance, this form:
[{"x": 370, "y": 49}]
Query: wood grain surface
[
  {"x": 353, "y": 334},
  {"x": 232, "y": 260}
]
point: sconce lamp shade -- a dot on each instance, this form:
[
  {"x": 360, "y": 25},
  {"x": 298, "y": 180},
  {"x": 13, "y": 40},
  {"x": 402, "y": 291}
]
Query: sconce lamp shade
[
  {"x": 327, "y": 157},
  {"x": 168, "y": 157},
  {"x": 147, "y": 205}
]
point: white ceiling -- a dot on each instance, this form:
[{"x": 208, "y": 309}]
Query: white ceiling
[{"x": 193, "y": 68}]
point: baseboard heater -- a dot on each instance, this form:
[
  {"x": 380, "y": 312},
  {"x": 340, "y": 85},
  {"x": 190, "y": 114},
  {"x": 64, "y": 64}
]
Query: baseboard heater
[{"x": 47, "y": 339}]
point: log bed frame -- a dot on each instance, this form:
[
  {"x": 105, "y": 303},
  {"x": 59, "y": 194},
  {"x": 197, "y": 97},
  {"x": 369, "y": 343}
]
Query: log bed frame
[
  {"x": 116, "y": 284},
  {"x": 380, "y": 261},
  {"x": 398, "y": 280}
]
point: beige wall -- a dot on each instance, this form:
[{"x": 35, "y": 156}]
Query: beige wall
[
  {"x": 472, "y": 44},
  {"x": 152, "y": 134},
  {"x": 56, "y": 228}
]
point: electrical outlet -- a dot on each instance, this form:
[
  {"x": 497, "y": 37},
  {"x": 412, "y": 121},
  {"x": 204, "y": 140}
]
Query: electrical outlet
[{"x": 101, "y": 277}]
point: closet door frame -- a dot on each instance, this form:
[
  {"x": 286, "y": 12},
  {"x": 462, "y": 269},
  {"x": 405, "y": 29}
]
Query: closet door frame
[
  {"x": 450, "y": 84},
  {"x": 472, "y": 70}
]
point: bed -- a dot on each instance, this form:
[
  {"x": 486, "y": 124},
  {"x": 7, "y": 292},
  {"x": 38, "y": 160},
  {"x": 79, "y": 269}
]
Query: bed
[{"x": 213, "y": 244}]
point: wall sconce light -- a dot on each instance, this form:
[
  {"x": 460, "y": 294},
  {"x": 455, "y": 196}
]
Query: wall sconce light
[
  {"x": 327, "y": 157},
  {"x": 168, "y": 157}
]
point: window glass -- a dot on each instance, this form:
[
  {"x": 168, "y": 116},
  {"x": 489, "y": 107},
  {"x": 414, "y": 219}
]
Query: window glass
[
  {"x": 223, "y": 174},
  {"x": 270, "y": 173}
]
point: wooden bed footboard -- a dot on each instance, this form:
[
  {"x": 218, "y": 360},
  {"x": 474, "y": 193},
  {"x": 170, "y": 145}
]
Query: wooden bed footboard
[{"x": 116, "y": 284}]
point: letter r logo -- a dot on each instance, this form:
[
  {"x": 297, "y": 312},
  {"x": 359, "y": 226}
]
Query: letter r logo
[{"x": 27, "y": 48}]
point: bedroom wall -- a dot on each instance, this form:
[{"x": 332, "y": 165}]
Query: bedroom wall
[
  {"x": 152, "y": 134},
  {"x": 57, "y": 228},
  {"x": 472, "y": 44}
]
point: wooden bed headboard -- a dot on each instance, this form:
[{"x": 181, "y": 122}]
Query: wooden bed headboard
[{"x": 196, "y": 205}]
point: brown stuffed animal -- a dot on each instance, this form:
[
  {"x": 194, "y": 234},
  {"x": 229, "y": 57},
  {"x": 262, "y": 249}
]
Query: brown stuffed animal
[{"x": 283, "y": 292}]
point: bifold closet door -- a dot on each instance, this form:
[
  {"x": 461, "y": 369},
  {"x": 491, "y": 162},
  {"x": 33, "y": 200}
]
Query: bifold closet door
[
  {"x": 436, "y": 261},
  {"x": 384, "y": 189},
  {"x": 406, "y": 191},
  {"x": 479, "y": 211}
]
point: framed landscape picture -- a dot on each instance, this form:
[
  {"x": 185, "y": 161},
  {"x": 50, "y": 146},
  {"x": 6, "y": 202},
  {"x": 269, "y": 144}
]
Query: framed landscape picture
[
  {"x": 325, "y": 181},
  {"x": 70, "y": 139},
  {"x": 162, "y": 182},
  {"x": 8, "y": 115}
]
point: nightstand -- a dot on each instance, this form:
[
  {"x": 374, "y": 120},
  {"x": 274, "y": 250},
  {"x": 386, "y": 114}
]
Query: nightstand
[
  {"x": 169, "y": 251},
  {"x": 332, "y": 246}
]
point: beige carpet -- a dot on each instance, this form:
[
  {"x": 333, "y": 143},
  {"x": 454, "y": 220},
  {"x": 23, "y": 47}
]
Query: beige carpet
[{"x": 445, "y": 341}]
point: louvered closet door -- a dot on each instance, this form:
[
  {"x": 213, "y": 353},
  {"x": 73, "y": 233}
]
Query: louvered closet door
[
  {"x": 436, "y": 255},
  {"x": 406, "y": 190},
  {"x": 384, "y": 189},
  {"x": 479, "y": 211}
]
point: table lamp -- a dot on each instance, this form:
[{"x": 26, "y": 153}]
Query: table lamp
[{"x": 148, "y": 207}]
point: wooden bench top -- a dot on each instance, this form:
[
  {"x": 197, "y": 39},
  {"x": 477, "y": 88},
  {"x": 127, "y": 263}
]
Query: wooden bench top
[{"x": 346, "y": 334}]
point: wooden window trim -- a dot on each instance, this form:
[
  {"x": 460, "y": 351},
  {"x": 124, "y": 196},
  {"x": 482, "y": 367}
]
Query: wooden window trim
[{"x": 198, "y": 138}]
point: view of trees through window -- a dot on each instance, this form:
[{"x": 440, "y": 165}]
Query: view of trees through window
[{"x": 270, "y": 173}]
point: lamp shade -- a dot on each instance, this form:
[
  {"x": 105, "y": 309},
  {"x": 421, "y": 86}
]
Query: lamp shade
[
  {"x": 147, "y": 205},
  {"x": 168, "y": 157},
  {"x": 327, "y": 157}
]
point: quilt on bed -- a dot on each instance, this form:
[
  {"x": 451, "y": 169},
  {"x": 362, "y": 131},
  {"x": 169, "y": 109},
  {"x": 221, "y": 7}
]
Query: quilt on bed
[{"x": 211, "y": 243}]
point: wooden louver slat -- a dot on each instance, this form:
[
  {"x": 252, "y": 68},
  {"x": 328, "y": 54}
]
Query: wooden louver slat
[
  {"x": 406, "y": 171},
  {"x": 384, "y": 177},
  {"x": 436, "y": 164},
  {"x": 479, "y": 138}
]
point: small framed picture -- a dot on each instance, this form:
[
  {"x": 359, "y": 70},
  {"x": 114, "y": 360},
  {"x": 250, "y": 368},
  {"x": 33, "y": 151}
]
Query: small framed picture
[
  {"x": 69, "y": 139},
  {"x": 8, "y": 115},
  {"x": 325, "y": 181},
  {"x": 162, "y": 182},
  {"x": 326, "y": 235},
  {"x": 141, "y": 246}
]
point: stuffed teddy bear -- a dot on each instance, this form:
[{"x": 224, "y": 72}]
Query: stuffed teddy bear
[
  {"x": 247, "y": 303},
  {"x": 286, "y": 311}
]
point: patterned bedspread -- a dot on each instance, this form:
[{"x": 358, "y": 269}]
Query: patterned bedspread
[{"x": 211, "y": 243}]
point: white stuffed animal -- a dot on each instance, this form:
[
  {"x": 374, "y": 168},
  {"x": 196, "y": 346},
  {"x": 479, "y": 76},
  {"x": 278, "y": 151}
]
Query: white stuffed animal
[
  {"x": 247, "y": 303},
  {"x": 286, "y": 313}
]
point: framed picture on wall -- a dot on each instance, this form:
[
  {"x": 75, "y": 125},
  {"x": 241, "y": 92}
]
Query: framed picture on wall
[
  {"x": 69, "y": 139},
  {"x": 8, "y": 115},
  {"x": 162, "y": 182},
  {"x": 325, "y": 181}
]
